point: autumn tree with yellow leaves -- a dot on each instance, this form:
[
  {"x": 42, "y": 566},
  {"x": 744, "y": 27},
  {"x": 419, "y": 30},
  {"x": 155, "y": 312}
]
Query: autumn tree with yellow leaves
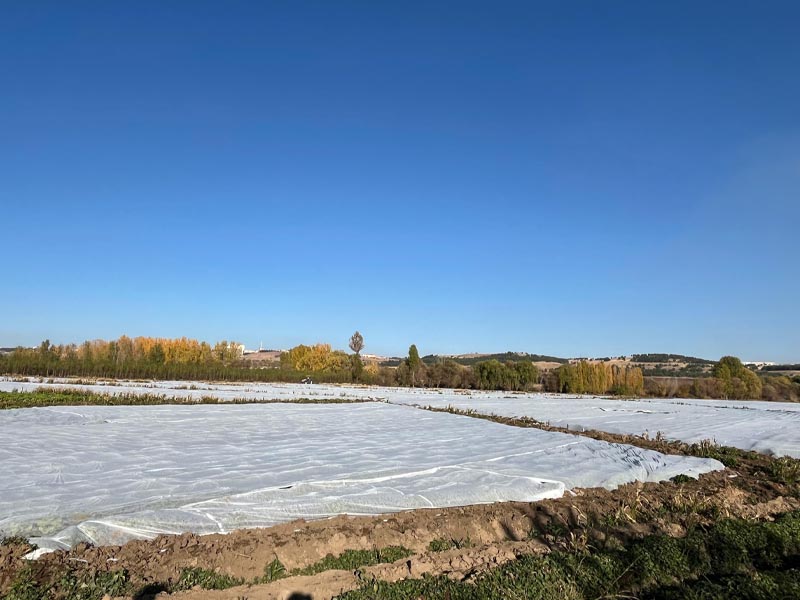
[
  {"x": 316, "y": 358},
  {"x": 589, "y": 377}
]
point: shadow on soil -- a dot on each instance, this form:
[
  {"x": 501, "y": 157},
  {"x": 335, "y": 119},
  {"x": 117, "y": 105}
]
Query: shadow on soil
[{"x": 149, "y": 592}]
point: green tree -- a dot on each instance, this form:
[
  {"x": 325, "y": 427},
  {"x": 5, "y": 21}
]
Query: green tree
[
  {"x": 156, "y": 355},
  {"x": 737, "y": 380},
  {"x": 356, "y": 365},
  {"x": 568, "y": 379},
  {"x": 489, "y": 374},
  {"x": 414, "y": 364},
  {"x": 527, "y": 375},
  {"x": 447, "y": 373}
]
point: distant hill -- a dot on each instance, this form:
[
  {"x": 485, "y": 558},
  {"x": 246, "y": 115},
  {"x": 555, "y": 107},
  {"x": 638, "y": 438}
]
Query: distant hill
[
  {"x": 795, "y": 367},
  {"x": 471, "y": 359},
  {"x": 667, "y": 358},
  {"x": 652, "y": 364},
  {"x": 672, "y": 365},
  {"x": 655, "y": 361},
  {"x": 263, "y": 356}
]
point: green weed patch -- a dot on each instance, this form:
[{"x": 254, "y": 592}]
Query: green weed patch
[
  {"x": 71, "y": 397},
  {"x": 351, "y": 560},
  {"x": 732, "y": 559}
]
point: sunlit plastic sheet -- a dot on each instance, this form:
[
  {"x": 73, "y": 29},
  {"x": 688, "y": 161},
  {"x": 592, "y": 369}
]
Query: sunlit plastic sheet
[
  {"x": 110, "y": 474},
  {"x": 771, "y": 428},
  {"x": 767, "y": 427}
]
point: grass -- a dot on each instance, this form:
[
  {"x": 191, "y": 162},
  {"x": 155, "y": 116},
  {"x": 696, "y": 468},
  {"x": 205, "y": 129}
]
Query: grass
[
  {"x": 273, "y": 571},
  {"x": 82, "y": 585},
  {"x": 70, "y": 397},
  {"x": 17, "y": 540},
  {"x": 25, "y": 586},
  {"x": 681, "y": 479},
  {"x": 785, "y": 470},
  {"x": 732, "y": 559},
  {"x": 350, "y": 560},
  {"x": 728, "y": 456},
  {"x": 442, "y": 544},
  {"x": 113, "y": 583},
  {"x": 70, "y": 586},
  {"x": 691, "y": 503},
  {"x": 206, "y": 579}
]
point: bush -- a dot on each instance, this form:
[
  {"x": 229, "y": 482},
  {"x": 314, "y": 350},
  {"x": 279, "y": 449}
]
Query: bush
[{"x": 738, "y": 381}]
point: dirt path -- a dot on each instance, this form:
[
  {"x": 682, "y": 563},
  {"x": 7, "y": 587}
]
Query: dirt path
[{"x": 459, "y": 564}]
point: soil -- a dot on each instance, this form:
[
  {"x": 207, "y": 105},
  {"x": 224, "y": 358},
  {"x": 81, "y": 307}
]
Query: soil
[{"x": 489, "y": 535}]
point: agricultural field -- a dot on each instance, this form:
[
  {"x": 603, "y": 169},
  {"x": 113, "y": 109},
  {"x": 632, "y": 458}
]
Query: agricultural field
[
  {"x": 111, "y": 474},
  {"x": 767, "y": 427},
  {"x": 342, "y": 482}
]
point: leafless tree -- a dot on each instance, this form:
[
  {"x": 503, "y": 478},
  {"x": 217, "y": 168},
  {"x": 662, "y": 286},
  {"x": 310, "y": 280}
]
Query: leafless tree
[{"x": 357, "y": 342}]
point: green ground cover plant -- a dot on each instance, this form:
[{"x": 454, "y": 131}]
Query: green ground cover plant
[
  {"x": 350, "y": 560},
  {"x": 75, "y": 397},
  {"x": 731, "y": 559}
]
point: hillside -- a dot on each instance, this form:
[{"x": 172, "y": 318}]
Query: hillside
[{"x": 472, "y": 358}]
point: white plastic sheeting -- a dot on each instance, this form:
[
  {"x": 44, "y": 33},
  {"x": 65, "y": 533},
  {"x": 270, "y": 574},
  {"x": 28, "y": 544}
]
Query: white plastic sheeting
[
  {"x": 767, "y": 427},
  {"x": 196, "y": 390},
  {"x": 110, "y": 474}
]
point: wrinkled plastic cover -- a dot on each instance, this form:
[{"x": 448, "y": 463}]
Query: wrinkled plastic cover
[
  {"x": 766, "y": 427},
  {"x": 108, "y": 474},
  {"x": 771, "y": 428}
]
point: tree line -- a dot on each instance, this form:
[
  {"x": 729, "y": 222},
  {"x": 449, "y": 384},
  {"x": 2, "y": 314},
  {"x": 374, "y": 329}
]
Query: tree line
[
  {"x": 664, "y": 358},
  {"x": 125, "y": 358},
  {"x": 503, "y": 357},
  {"x": 187, "y": 359},
  {"x": 158, "y": 358}
]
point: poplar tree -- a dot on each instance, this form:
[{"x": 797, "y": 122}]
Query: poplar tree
[
  {"x": 356, "y": 345},
  {"x": 414, "y": 363}
]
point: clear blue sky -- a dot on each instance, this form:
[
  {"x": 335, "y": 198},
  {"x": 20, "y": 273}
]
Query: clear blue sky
[{"x": 581, "y": 178}]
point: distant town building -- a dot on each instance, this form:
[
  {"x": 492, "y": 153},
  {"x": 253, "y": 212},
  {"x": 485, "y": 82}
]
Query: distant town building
[{"x": 758, "y": 364}]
